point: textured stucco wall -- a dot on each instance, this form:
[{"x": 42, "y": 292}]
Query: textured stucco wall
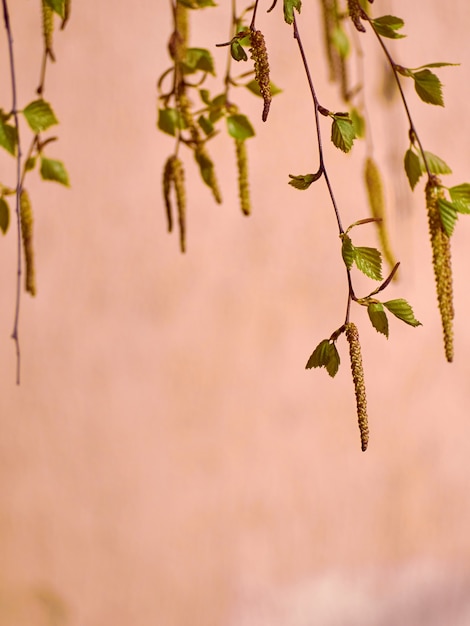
[{"x": 167, "y": 460}]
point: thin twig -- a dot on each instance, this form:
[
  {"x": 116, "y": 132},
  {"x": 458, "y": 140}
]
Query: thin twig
[{"x": 15, "y": 333}]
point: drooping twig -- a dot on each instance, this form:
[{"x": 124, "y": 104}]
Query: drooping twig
[{"x": 15, "y": 333}]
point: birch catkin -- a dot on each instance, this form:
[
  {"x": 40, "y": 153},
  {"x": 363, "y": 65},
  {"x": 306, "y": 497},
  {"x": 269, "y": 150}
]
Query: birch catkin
[
  {"x": 26, "y": 219},
  {"x": 441, "y": 259},
  {"x": 259, "y": 54},
  {"x": 173, "y": 178},
  {"x": 352, "y": 336},
  {"x": 48, "y": 28},
  {"x": 376, "y": 198},
  {"x": 242, "y": 167}
]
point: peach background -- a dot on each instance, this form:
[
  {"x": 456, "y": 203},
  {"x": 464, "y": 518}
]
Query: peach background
[{"x": 167, "y": 459}]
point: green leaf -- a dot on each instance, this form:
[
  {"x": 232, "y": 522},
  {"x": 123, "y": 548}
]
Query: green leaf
[
  {"x": 254, "y": 88},
  {"x": 304, "y": 181},
  {"x": 289, "y": 6},
  {"x": 205, "y": 96},
  {"x": 340, "y": 41},
  {"x": 348, "y": 251},
  {"x": 325, "y": 355},
  {"x": 206, "y": 168},
  {"x": 435, "y": 163},
  {"x": 436, "y": 65},
  {"x": 342, "y": 132},
  {"x": 205, "y": 124},
  {"x": 30, "y": 164},
  {"x": 368, "y": 261},
  {"x": 460, "y": 193},
  {"x": 4, "y": 215},
  {"x": 239, "y": 127},
  {"x": 387, "y": 25},
  {"x": 58, "y": 6},
  {"x": 237, "y": 51},
  {"x": 8, "y": 136},
  {"x": 54, "y": 170},
  {"x": 401, "y": 309},
  {"x": 197, "y": 4},
  {"x": 359, "y": 123},
  {"x": 169, "y": 120},
  {"x": 428, "y": 87},
  {"x": 448, "y": 214},
  {"x": 378, "y": 317},
  {"x": 39, "y": 115},
  {"x": 412, "y": 167},
  {"x": 198, "y": 59}
]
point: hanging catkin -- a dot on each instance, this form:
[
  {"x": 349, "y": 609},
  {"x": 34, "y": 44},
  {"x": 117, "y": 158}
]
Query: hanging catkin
[
  {"x": 259, "y": 54},
  {"x": 26, "y": 219},
  {"x": 242, "y": 167},
  {"x": 441, "y": 259},
  {"x": 48, "y": 28},
  {"x": 352, "y": 336}
]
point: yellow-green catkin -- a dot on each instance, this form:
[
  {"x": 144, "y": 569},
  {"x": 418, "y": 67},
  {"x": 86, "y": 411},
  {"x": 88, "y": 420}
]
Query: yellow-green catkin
[
  {"x": 48, "y": 28},
  {"x": 259, "y": 54},
  {"x": 352, "y": 336},
  {"x": 242, "y": 167},
  {"x": 336, "y": 62},
  {"x": 441, "y": 259},
  {"x": 375, "y": 193},
  {"x": 173, "y": 178},
  {"x": 26, "y": 219}
]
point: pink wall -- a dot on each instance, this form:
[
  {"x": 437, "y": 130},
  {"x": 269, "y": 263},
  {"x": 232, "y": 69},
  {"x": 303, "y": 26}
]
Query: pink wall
[{"x": 167, "y": 459}]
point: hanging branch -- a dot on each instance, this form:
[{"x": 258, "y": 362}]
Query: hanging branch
[{"x": 15, "y": 333}]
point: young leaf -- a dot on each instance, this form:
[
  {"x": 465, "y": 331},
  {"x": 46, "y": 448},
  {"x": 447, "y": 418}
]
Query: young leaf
[
  {"x": 342, "y": 133},
  {"x": 325, "y": 355},
  {"x": 4, "y": 215},
  {"x": 8, "y": 136},
  {"x": 54, "y": 170},
  {"x": 460, "y": 193},
  {"x": 448, "y": 214},
  {"x": 435, "y": 163},
  {"x": 428, "y": 87},
  {"x": 30, "y": 164},
  {"x": 401, "y": 309},
  {"x": 359, "y": 123},
  {"x": 205, "y": 124},
  {"x": 239, "y": 127},
  {"x": 237, "y": 51},
  {"x": 198, "y": 59},
  {"x": 387, "y": 25},
  {"x": 169, "y": 120},
  {"x": 378, "y": 317},
  {"x": 348, "y": 251},
  {"x": 58, "y": 6},
  {"x": 254, "y": 88},
  {"x": 368, "y": 261},
  {"x": 39, "y": 115},
  {"x": 289, "y": 6},
  {"x": 304, "y": 181},
  {"x": 412, "y": 167}
]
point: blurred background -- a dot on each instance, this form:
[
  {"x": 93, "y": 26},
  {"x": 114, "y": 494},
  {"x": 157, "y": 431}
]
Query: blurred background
[{"x": 167, "y": 459}]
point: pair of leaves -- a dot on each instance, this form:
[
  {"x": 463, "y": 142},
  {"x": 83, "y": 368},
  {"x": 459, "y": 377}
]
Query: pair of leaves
[
  {"x": 399, "y": 308},
  {"x": 325, "y": 355},
  {"x": 367, "y": 260},
  {"x": 415, "y": 165},
  {"x": 38, "y": 114},
  {"x": 238, "y": 126},
  {"x": 388, "y": 25},
  {"x": 427, "y": 85}
]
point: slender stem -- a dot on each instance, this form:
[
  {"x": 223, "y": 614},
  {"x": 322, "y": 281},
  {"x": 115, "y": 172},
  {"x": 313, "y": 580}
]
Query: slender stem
[
  {"x": 253, "y": 19},
  {"x": 413, "y": 132},
  {"x": 15, "y": 333},
  {"x": 322, "y": 169}
]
